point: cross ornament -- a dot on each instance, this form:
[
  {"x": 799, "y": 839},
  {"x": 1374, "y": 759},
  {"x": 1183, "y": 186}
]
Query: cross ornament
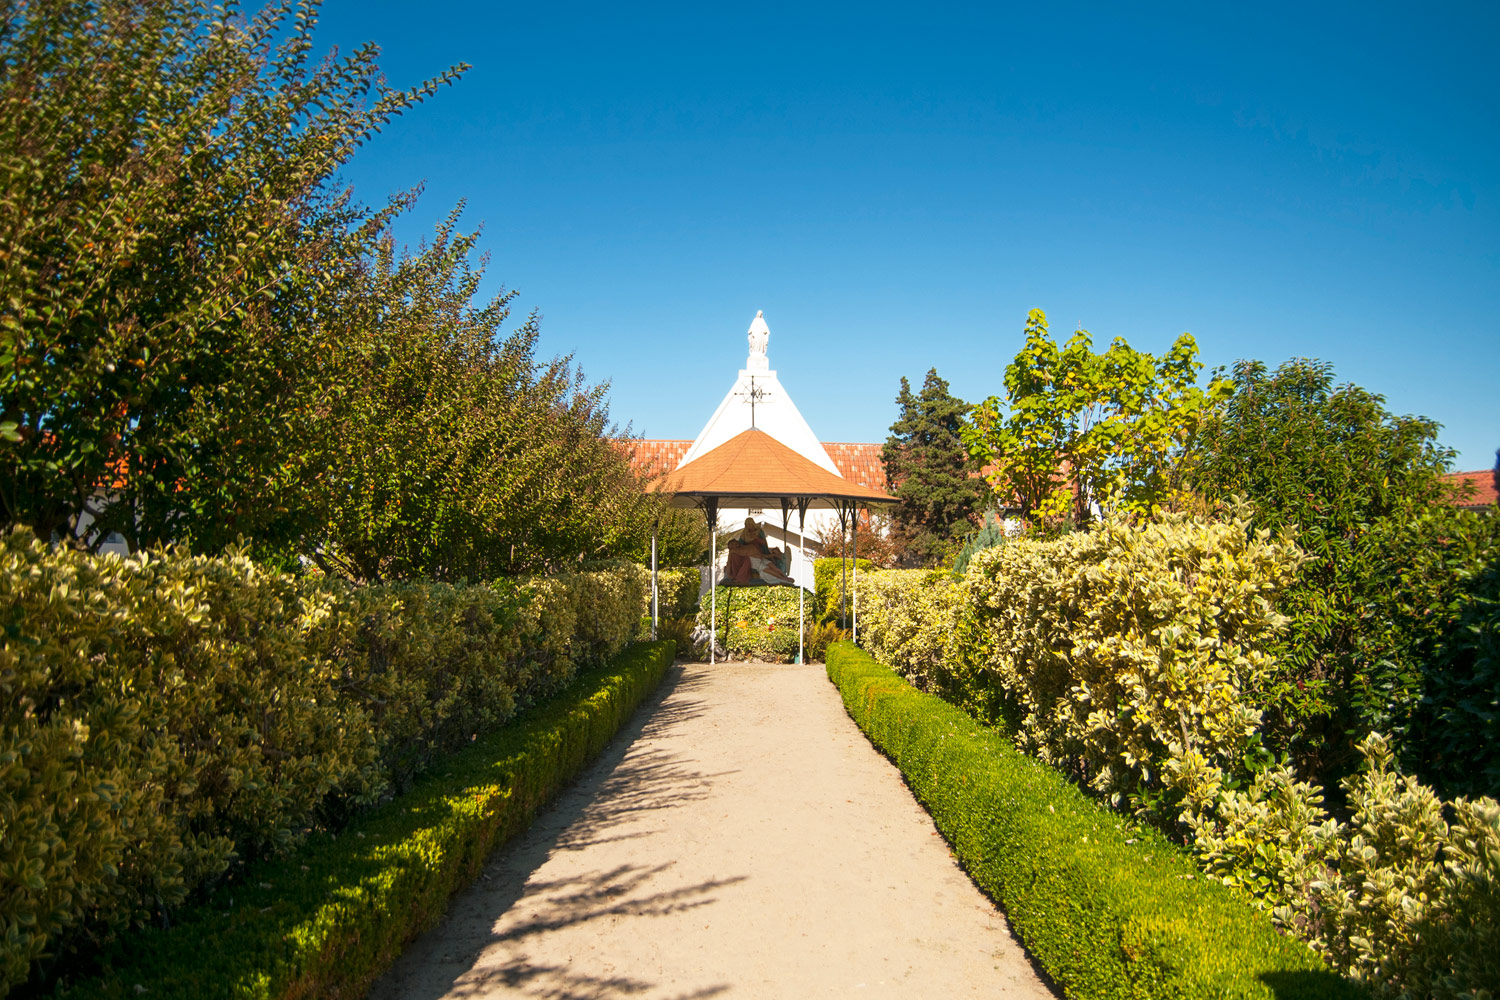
[{"x": 754, "y": 394}]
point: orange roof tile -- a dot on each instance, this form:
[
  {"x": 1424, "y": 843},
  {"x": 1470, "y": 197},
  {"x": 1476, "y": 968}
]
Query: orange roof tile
[
  {"x": 859, "y": 463},
  {"x": 753, "y": 465},
  {"x": 657, "y": 456},
  {"x": 1483, "y": 482}
]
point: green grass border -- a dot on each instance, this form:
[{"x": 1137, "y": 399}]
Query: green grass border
[
  {"x": 326, "y": 920},
  {"x": 1110, "y": 909}
]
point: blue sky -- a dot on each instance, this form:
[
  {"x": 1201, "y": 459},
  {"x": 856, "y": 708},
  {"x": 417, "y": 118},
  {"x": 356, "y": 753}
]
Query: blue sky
[{"x": 897, "y": 186}]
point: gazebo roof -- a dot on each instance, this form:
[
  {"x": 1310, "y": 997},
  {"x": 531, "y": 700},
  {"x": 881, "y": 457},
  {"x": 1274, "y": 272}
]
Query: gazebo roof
[{"x": 755, "y": 468}]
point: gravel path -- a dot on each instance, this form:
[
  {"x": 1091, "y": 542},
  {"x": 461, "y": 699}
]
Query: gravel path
[{"x": 739, "y": 838}]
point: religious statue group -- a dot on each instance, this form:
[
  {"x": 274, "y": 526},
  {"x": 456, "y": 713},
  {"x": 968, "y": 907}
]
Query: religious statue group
[{"x": 754, "y": 561}]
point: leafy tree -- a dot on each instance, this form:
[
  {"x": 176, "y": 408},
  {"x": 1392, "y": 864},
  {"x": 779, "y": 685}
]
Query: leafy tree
[
  {"x": 204, "y": 339},
  {"x": 1079, "y": 428},
  {"x": 872, "y": 535},
  {"x": 452, "y": 451},
  {"x": 1360, "y": 485},
  {"x": 169, "y": 238},
  {"x": 929, "y": 470}
]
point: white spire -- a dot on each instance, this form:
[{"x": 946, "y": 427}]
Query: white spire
[
  {"x": 757, "y": 391},
  {"x": 760, "y": 335}
]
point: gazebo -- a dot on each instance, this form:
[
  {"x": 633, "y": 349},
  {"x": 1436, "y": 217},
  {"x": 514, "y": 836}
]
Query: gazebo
[{"x": 753, "y": 469}]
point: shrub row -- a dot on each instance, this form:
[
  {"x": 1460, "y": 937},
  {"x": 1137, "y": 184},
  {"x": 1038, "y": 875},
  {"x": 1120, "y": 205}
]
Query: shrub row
[
  {"x": 1114, "y": 651},
  {"x": 1135, "y": 661},
  {"x": 167, "y": 715},
  {"x": 1108, "y": 908},
  {"x": 328, "y": 919},
  {"x": 677, "y": 591}
]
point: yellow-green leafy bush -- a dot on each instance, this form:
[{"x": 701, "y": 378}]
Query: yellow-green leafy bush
[
  {"x": 1399, "y": 897},
  {"x": 758, "y": 623},
  {"x": 326, "y": 919},
  {"x": 907, "y": 618},
  {"x": 164, "y": 715},
  {"x": 829, "y": 576},
  {"x": 1112, "y": 651},
  {"x": 1130, "y": 657},
  {"x": 677, "y": 591}
]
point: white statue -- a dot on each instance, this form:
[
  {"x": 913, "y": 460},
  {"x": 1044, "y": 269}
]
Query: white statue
[{"x": 760, "y": 335}]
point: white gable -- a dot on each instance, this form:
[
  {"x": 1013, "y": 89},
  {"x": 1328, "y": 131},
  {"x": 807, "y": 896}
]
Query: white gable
[{"x": 774, "y": 411}]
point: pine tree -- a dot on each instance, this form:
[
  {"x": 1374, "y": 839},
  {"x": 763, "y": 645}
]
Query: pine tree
[{"x": 929, "y": 471}]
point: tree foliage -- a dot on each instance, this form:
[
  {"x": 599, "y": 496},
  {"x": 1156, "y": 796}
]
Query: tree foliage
[
  {"x": 205, "y": 339},
  {"x": 1080, "y": 428},
  {"x": 872, "y": 535},
  {"x": 929, "y": 471},
  {"x": 453, "y": 451},
  {"x": 168, "y": 239},
  {"x": 1362, "y": 488}
]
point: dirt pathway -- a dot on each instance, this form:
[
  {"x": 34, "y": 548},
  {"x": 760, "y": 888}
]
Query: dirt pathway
[{"x": 740, "y": 838}]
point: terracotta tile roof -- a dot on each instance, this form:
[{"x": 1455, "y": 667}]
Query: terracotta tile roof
[
  {"x": 858, "y": 463},
  {"x": 659, "y": 455},
  {"x": 1483, "y": 481},
  {"x": 753, "y": 464}
]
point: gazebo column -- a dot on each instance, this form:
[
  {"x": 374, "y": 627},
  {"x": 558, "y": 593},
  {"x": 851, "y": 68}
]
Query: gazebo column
[
  {"x": 854, "y": 591},
  {"x": 801, "y": 590},
  {"x": 711, "y": 511}
]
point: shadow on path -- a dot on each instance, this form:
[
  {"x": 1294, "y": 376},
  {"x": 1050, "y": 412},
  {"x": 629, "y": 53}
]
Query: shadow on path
[{"x": 617, "y": 788}]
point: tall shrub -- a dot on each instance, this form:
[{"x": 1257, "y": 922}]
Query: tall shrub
[
  {"x": 168, "y": 715},
  {"x": 452, "y": 451},
  {"x": 170, "y": 238},
  {"x": 1357, "y": 484},
  {"x": 1400, "y": 896},
  {"x": 1109, "y": 652},
  {"x": 1131, "y": 658}
]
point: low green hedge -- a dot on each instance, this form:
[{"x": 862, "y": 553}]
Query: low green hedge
[
  {"x": 328, "y": 919},
  {"x": 1109, "y": 909}
]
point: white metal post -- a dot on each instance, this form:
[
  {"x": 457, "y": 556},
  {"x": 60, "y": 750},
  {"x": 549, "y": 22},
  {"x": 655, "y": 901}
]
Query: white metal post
[
  {"x": 655, "y": 600},
  {"x": 713, "y": 587},
  {"x": 801, "y": 591},
  {"x": 854, "y": 594}
]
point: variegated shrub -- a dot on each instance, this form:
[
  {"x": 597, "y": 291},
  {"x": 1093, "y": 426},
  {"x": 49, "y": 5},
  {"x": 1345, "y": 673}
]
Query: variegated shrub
[
  {"x": 164, "y": 715},
  {"x": 1399, "y": 897},
  {"x": 1111, "y": 651},
  {"x": 1130, "y": 657}
]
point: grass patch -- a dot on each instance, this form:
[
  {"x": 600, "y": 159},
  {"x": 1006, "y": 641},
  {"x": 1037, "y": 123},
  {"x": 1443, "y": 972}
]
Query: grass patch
[
  {"x": 1108, "y": 908},
  {"x": 326, "y": 920}
]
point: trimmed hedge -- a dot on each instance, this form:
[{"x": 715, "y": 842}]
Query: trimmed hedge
[
  {"x": 1117, "y": 653},
  {"x": 1110, "y": 909},
  {"x": 327, "y": 920},
  {"x": 166, "y": 716}
]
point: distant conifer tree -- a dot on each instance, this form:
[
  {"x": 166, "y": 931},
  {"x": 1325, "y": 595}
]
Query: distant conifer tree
[{"x": 929, "y": 471}]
